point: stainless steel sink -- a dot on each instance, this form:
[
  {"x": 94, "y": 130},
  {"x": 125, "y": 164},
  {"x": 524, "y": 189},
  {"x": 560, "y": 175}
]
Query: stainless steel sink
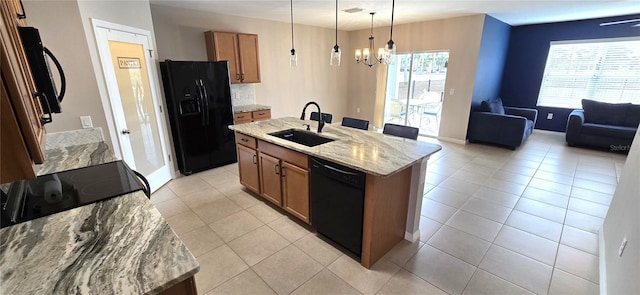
[{"x": 302, "y": 137}]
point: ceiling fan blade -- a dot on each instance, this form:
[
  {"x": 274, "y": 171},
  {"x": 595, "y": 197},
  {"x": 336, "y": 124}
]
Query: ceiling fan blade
[{"x": 620, "y": 22}]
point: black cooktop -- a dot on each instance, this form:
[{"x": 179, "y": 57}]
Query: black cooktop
[{"x": 57, "y": 192}]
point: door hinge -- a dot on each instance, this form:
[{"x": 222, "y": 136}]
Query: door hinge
[
  {"x": 169, "y": 155},
  {"x": 160, "y": 106},
  {"x": 151, "y": 53}
]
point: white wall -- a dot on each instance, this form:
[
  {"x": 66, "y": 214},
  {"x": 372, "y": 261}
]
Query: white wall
[
  {"x": 622, "y": 273},
  {"x": 66, "y": 29},
  {"x": 61, "y": 30},
  {"x": 180, "y": 36},
  {"x": 460, "y": 36}
]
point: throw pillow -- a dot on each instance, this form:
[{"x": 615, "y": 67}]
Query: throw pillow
[
  {"x": 492, "y": 106},
  {"x": 604, "y": 113}
]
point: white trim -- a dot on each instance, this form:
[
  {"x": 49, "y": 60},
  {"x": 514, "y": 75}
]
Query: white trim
[
  {"x": 412, "y": 237},
  {"x": 602, "y": 262},
  {"x": 454, "y": 140}
]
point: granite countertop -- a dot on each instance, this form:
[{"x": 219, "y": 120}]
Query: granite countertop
[
  {"x": 118, "y": 246},
  {"x": 368, "y": 151},
  {"x": 250, "y": 108}
]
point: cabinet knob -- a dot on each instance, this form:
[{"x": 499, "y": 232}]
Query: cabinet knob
[
  {"x": 238, "y": 76},
  {"x": 254, "y": 159}
]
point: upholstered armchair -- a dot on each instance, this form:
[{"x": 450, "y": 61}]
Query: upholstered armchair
[{"x": 504, "y": 126}]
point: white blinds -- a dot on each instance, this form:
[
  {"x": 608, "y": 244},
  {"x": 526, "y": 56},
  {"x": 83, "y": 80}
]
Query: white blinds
[{"x": 606, "y": 70}]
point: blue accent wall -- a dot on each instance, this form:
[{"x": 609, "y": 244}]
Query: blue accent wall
[
  {"x": 491, "y": 60},
  {"x": 527, "y": 56}
]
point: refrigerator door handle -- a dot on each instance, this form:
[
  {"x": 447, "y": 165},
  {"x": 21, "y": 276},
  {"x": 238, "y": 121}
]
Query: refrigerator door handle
[
  {"x": 205, "y": 97},
  {"x": 203, "y": 109}
]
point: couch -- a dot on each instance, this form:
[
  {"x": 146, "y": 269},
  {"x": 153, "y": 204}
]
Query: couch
[
  {"x": 603, "y": 125},
  {"x": 505, "y": 126}
]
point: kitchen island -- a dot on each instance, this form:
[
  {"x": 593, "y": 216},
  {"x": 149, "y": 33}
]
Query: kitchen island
[
  {"x": 117, "y": 246},
  {"x": 395, "y": 170}
]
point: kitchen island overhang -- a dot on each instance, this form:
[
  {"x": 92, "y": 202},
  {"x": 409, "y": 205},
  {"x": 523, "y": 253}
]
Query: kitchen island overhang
[{"x": 395, "y": 169}]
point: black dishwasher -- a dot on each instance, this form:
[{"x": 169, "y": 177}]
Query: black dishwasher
[{"x": 337, "y": 203}]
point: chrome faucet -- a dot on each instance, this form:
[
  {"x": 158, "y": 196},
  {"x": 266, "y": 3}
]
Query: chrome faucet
[{"x": 320, "y": 119}]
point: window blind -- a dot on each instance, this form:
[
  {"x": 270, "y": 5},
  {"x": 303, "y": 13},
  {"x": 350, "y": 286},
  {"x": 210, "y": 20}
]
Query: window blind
[{"x": 606, "y": 70}]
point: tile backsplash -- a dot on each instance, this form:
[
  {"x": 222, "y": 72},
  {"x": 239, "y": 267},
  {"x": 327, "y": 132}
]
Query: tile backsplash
[
  {"x": 73, "y": 137},
  {"x": 243, "y": 94}
]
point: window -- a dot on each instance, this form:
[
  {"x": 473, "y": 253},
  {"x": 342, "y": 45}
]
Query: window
[{"x": 606, "y": 70}]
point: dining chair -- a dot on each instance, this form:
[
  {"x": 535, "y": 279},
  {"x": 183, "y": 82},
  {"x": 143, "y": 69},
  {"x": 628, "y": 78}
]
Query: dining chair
[
  {"x": 401, "y": 131},
  {"x": 355, "y": 123},
  {"x": 325, "y": 117}
]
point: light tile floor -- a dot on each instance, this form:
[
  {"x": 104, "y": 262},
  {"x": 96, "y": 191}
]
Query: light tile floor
[{"x": 494, "y": 221}]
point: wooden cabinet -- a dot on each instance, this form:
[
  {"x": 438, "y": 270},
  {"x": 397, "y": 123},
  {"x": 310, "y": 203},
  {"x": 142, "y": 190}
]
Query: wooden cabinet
[
  {"x": 283, "y": 174},
  {"x": 246, "y": 117},
  {"x": 248, "y": 162},
  {"x": 248, "y": 168},
  {"x": 186, "y": 287},
  {"x": 295, "y": 191},
  {"x": 241, "y": 50},
  {"x": 270, "y": 183},
  {"x": 22, "y": 133}
]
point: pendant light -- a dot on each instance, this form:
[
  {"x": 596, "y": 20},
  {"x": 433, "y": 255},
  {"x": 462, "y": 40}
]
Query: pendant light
[
  {"x": 293, "y": 59},
  {"x": 335, "y": 51},
  {"x": 391, "y": 46},
  {"x": 364, "y": 55}
]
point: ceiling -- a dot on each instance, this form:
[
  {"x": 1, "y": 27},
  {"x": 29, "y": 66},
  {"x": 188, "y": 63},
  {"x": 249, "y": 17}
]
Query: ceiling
[{"x": 322, "y": 13}]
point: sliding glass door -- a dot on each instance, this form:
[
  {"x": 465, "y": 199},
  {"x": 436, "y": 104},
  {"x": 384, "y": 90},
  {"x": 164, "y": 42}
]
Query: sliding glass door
[{"x": 415, "y": 89}]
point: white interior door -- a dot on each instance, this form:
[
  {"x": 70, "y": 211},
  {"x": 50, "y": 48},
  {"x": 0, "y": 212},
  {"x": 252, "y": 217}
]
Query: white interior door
[{"x": 133, "y": 96}]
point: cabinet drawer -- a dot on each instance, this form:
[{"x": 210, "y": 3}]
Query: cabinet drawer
[
  {"x": 262, "y": 115},
  {"x": 245, "y": 140},
  {"x": 242, "y": 116},
  {"x": 299, "y": 159}
]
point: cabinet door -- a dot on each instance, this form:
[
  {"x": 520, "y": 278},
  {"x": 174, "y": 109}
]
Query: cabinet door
[
  {"x": 18, "y": 87},
  {"x": 295, "y": 186},
  {"x": 270, "y": 178},
  {"x": 248, "y": 168},
  {"x": 225, "y": 47},
  {"x": 249, "y": 58}
]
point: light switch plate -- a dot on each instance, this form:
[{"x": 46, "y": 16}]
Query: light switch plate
[{"x": 86, "y": 122}]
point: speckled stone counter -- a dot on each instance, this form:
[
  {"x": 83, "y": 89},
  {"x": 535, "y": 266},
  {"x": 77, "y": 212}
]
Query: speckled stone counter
[
  {"x": 367, "y": 151},
  {"x": 117, "y": 246},
  {"x": 250, "y": 108}
]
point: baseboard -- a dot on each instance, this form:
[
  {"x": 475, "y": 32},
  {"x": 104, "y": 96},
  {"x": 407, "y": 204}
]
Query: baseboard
[
  {"x": 454, "y": 140},
  {"x": 603, "y": 262},
  {"x": 412, "y": 237}
]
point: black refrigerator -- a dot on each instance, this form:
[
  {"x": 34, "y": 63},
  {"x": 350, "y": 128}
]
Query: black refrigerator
[{"x": 199, "y": 103}]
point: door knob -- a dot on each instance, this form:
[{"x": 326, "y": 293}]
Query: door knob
[{"x": 126, "y": 131}]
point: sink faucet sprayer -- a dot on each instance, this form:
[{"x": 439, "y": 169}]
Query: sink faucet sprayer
[{"x": 320, "y": 119}]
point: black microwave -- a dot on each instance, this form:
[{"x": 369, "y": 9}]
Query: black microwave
[{"x": 37, "y": 57}]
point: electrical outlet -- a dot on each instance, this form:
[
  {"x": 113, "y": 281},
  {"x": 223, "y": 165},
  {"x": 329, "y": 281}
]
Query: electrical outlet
[
  {"x": 452, "y": 91},
  {"x": 549, "y": 116},
  {"x": 357, "y": 110},
  {"x": 622, "y": 246},
  {"x": 86, "y": 122}
]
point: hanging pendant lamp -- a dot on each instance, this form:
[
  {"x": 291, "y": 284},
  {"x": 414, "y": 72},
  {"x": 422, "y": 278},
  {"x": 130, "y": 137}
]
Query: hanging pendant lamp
[
  {"x": 391, "y": 46},
  {"x": 293, "y": 58},
  {"x": 364, "y": 55},
  {"x": 335, "y": 51}
]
